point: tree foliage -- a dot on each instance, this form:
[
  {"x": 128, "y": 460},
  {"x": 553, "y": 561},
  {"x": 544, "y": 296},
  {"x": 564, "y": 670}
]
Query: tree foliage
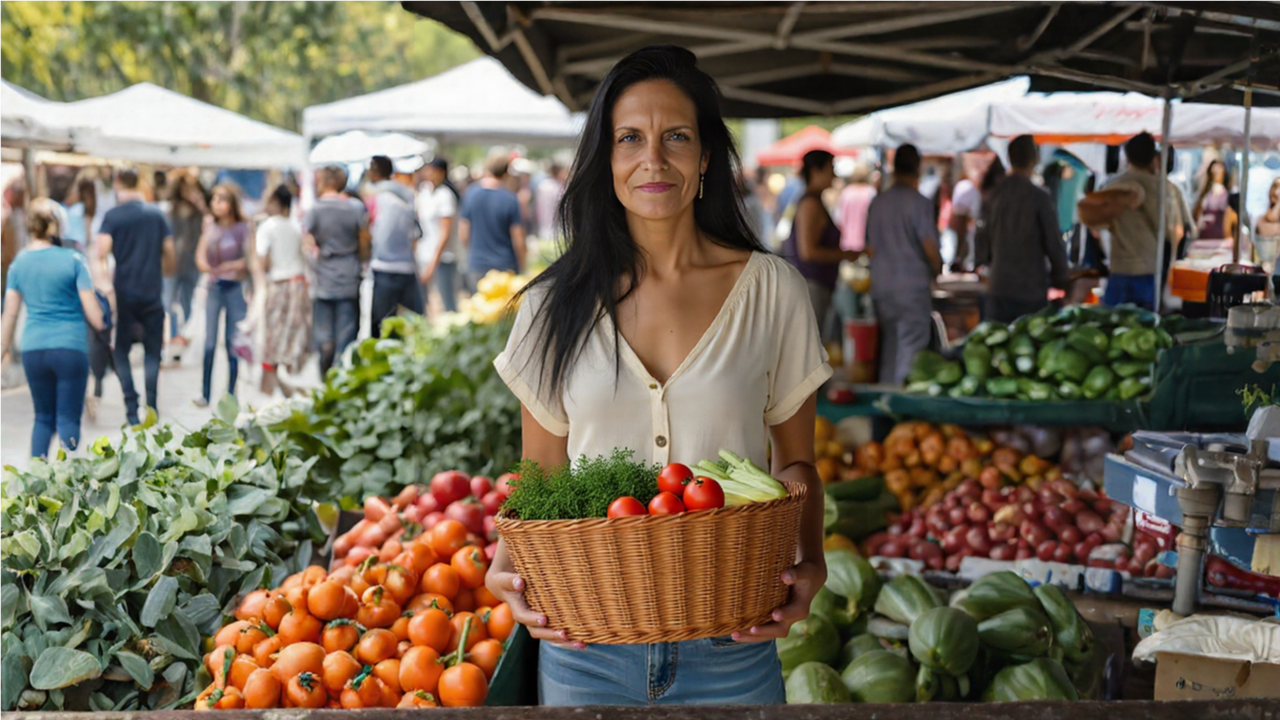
[{"x": 266, "y": 60}]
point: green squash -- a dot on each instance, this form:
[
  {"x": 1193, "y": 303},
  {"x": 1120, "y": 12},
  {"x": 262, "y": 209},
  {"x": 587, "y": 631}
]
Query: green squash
[
  {"x": 858, "y": 645},
  {"x": 904, "y": 598},
  {"x": 850, "y": 576},
  {"x": 996, "y": 593},
  {"x": 1040, "y": 679},
  {"x": 1070, "y": 630},
  {"x": 1018, "y": 632},
  {"x": 880, "y": 677},
  {"x": 945, "y": 639},
  {"x": 813, "y": 683},
  {"x": 813, "y": 639}
]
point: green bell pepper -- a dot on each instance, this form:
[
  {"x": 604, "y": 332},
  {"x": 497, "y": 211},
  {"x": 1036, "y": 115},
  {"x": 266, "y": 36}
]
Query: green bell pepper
[
  {"x": 1072, "y": 365},
  {"x": 1002, "y": 387},
  {"x": 949, "y": 374},
  {"x": 1098, "y": 382},
  {"x": 1003, "y": 362},
  {"x": 998, "y": 336},
  {"x": 1022, "y": 345},
  {"x": 979, "y": 333},
  {"x": 977, "y": 360},
  {"x": 1089, "y": 340},
  {"x": 1025, "y": 364},
  {"x": 925, "y": 366},
  {"x": 1140, "y": 344},
  {"x": 1133, "y": 387},
  {"x": 1131, "y": 368},
  {"x": 1070, "y": 391},
  {"x": 969, "y": 386},
  {"x": 1046, "y": 359}
]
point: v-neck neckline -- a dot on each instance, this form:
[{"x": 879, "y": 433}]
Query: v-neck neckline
[{"x": 637, "y": 365}]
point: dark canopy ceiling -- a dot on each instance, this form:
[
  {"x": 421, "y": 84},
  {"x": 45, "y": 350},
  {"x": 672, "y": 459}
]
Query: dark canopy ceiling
[{"x": 777, "y": 59}]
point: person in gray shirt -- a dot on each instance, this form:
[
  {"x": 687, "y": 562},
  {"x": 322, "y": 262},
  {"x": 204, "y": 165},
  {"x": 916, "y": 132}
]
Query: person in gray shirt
[
  {"x": 394, "y": 231},
  {"x": 337, "y": 235},
  {"x": 1018, "y": 240},
  {"x": 902, "y": 239}
]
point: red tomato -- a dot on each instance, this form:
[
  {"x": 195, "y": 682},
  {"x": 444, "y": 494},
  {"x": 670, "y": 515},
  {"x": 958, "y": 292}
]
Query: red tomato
[
  {"x": 503, "y": 484},
  {"x": 665, "y": 503},
  {"x": 624, "y": 506},
  {"x": 450, "y": 486},
  {"x": 480, "y": 486},
  {"x": 703, "y": 494},
  {"x": 674, "y": 478},
  {"x": 492, "y": 502}
]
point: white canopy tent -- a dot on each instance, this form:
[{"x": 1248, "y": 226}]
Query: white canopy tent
[
  {"x": 476, "y": 102},
  {"x": 30, "y": 121},
  {"x": 358, "y": 146},
  {"x": 147, "y": 123},
  {"x": 949, "y": 124}
]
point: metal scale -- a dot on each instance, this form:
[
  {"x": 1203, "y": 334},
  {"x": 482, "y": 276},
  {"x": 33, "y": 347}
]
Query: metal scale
[{"x": 1202, "y": 481}]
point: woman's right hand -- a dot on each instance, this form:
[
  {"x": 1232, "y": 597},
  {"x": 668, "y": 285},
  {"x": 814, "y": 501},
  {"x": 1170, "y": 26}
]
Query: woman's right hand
[{"x": 509, "y": 587}]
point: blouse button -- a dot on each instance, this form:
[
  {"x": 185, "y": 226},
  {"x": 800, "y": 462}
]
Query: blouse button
[
  {"x": 661, "y": 441},
  {"x": 653, "y": 386}
]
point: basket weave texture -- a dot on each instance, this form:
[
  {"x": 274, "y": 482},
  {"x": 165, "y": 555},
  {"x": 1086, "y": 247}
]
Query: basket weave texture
[{"x": 658, "y": 578}]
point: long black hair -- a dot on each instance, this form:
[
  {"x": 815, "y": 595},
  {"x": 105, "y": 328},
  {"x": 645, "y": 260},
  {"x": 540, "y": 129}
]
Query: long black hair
[{"x": 601, "y": 264}]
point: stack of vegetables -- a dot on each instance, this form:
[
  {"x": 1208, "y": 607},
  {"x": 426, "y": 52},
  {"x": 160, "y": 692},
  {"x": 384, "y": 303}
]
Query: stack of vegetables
[
  {"x": 999, "y": 640},
  {"x": 471, "y": 502},
  {"x": 490, "y": 302},
  {"x": 117, "y": 563},
  {"x": 1079, "y": 353},
  {"x": 420, "y": 400},
  {"x": 418, "y": 631},
  {"x": 619, "y": 486},
  {"x": 921, "y": 462},
  {"x": 1058, "y": 522}
]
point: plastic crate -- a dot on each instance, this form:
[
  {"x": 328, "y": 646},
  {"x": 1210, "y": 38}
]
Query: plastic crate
[
  {"x": 515, "y": 681},
  {"x": 1119, "y": 416},
  {"x": 1197, "y": 386}
]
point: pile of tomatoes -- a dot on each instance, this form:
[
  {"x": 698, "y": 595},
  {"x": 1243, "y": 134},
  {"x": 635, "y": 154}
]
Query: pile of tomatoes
[
  {"x": 419, "y": 630},
  {"x": 679, "y": 490}
]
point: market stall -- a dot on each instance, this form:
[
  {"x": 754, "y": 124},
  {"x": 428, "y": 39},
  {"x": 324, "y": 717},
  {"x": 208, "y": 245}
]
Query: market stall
[
  {"x": 791, "y": 149},
  {"x": 28, "y": 120}
]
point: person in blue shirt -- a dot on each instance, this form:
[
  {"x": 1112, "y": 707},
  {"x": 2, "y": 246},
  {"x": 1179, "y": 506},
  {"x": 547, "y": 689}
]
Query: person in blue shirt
[
  {"x": 492, "y": 229},
  {"x": 54, "y": 283}
]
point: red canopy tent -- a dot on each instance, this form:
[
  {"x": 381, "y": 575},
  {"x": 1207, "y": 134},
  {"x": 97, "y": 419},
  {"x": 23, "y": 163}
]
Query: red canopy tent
[{"x": 792, "y": 148}]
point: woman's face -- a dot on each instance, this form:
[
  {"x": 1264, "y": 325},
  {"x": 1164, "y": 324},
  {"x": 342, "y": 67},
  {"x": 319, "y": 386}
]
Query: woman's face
[
  {"x": 1217, "y": 173},
  {"x": 657, "y": 156},
  {"x": 220, "y": 205},
  {"x": 823, "y": 177}
]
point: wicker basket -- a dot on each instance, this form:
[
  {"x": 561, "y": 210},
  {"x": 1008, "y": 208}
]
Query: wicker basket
[{"x": 658, "y": 578}]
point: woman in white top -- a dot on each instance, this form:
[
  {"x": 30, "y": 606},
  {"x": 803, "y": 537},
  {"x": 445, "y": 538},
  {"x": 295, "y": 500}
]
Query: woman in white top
[
  {"x": 288, "y": 312},
  {"x": 665, "y": 328}
]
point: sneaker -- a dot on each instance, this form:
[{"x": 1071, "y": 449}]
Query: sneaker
[
  {"x": 202, "y": 402},
  {"x": 91, "y": 407}
]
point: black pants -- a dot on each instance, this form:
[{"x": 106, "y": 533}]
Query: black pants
[
  {"x": 391, "y": 290},
  {"x": 1006, "y": 310},
  {"x": 99, "y": 357},
  {"x": 147, "y": 319}
]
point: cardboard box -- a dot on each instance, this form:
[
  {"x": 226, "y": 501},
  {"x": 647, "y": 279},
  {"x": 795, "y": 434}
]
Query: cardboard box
[{"x": 1191, "y": 677}]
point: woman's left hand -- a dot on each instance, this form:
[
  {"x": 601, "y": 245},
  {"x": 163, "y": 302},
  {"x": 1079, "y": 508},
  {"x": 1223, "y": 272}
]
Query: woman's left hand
[{"x": 805, "y": 580}]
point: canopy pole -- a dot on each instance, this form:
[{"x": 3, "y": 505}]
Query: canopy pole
[
  {"x": 1161, "y": 223},
  {"x": 1242, "y": 226}
]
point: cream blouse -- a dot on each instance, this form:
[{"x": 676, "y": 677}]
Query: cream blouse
[{"x": 757, "y": 363}]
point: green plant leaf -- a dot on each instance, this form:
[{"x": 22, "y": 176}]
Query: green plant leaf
[
  {"x": 204, "y": 612},
  {"x": 59, "y": 667},
  {"x": 137, "y": 668},
  {"x": 146, "y": 555},
  {"x": 49, "y": 610},
  {"x": 160, "y": 601},
  {"x": 12, "y": 602}
]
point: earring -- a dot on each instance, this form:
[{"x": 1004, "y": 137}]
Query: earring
[{"x": 702, "y": 181}]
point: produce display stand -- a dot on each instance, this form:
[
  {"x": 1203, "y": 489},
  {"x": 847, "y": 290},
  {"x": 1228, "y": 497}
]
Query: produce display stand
[{"x": 1194, "y": 386}]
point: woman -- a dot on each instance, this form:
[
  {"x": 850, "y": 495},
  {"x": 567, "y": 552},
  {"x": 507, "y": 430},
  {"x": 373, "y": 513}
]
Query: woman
[
  {"x": 814, "y": 243},
  {"x": 1212, "y": 211},
  {"x": 224, "y": 253},
  {"x": 54, "y": 283},
  {"x": 288, "y": 320},
  {"x": 667, "y": 329},
  {"x": 1269, "y": 224},
  {"x": 187, "y": 208}
]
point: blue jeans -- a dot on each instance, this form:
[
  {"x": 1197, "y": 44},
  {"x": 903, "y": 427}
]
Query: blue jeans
[
  {"x": 177, "y": 293},
  {"x": 225, "y": 295},
  {"x": 392, "y": 290},
  {"x": 445, "y": 281},
  {"x": 1139, "y": 290},
  {"x": 713, "y": 671},
  {"x": 57, "y": 379},
  {"x": 138, "y": 320},
  {"x": 334, "y": 325}
]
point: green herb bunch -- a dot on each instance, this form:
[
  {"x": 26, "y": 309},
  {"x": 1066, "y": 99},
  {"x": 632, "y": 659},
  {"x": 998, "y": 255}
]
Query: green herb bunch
[
  {"x": 1255, "y": 398},
  {"x": 585, "y": 489}
]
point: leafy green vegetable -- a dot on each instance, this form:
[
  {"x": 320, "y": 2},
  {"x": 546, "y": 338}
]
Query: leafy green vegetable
[
  {"x": 114, "y": 565},
  {"x": 582, "y": 489},
  {"x": 400, "y": 408}
]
